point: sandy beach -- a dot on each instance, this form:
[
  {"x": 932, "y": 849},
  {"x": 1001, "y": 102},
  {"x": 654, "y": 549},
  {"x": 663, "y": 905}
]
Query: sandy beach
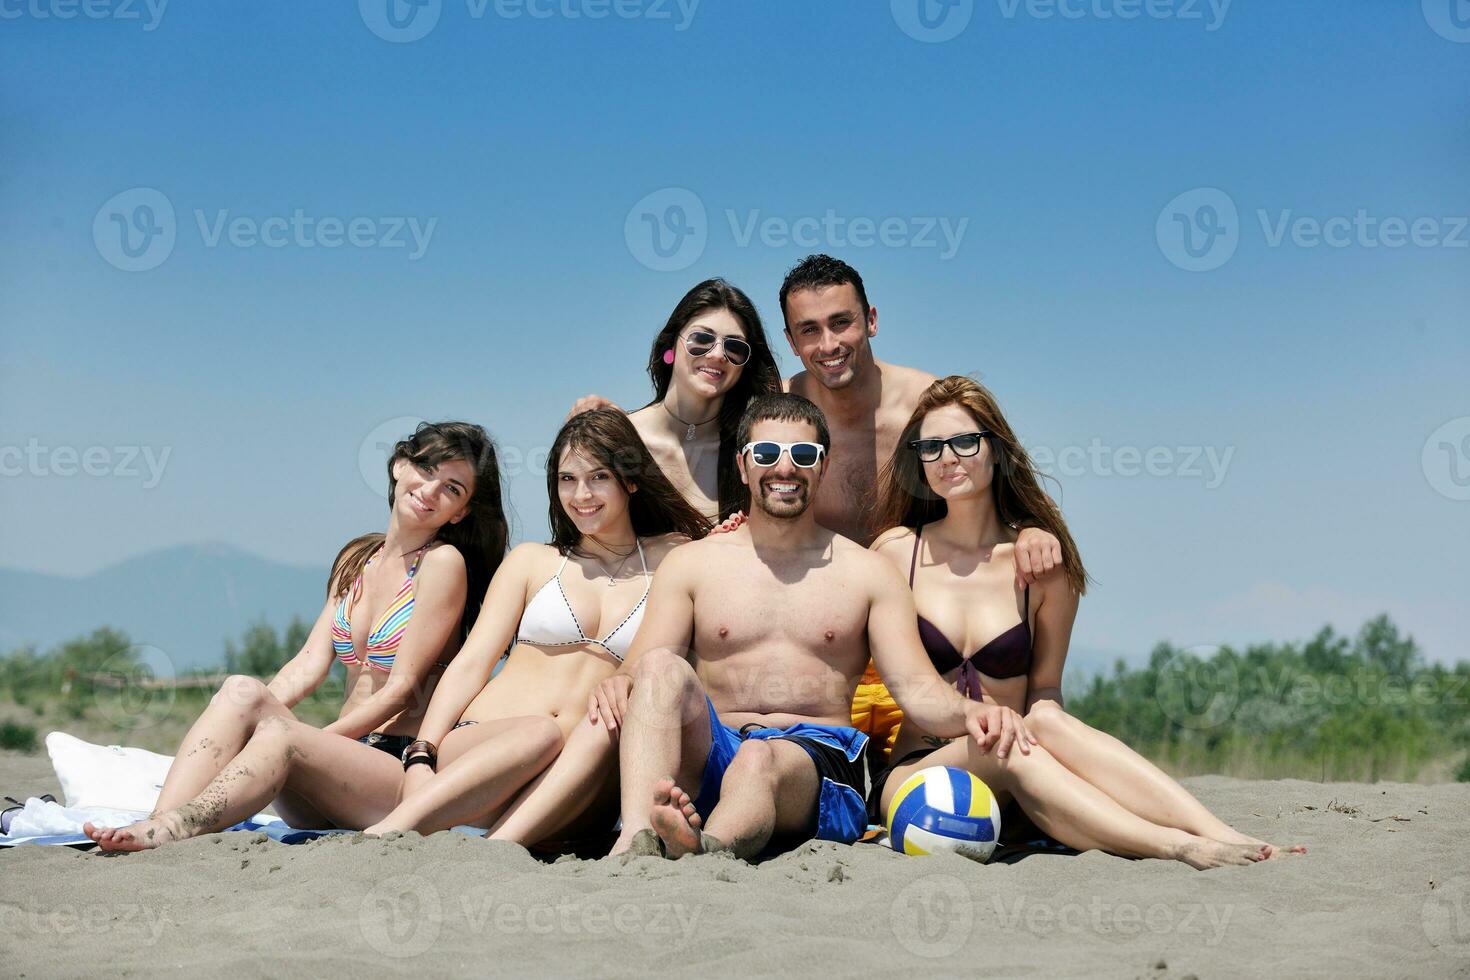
[{"x": 1384, "y": 891}]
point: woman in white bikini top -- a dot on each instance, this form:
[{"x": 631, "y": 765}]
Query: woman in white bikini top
[{"x": 567, "y": 613}]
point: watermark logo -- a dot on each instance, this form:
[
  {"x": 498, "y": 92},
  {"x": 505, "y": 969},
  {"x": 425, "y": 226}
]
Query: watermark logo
[
  {"x": 133, "y": 689},
  {"x": 400, "y": 21},
  {"x": 933, "y": 917},
  {"x": 1203, "y": 922},
  {"x": 1211, "y": 13},
  {"x": 404, "y": 21},
  {"x": 1446, "y": 916},
  {"x": 1450, "y": 19},
  {"x": 401, "y": 916},
  {"x": 667, "y": 231},
  {"x": 1196, "y": 689},
  {"x": 1199, "y": 230},
  {"x": 135, "y": 230},
  {"x": 1446, "y": 459},
  {"x": 1207, "y": 464},
  {"x": 121, "y": 462},
  {"x": 376, "y": 448},
  {"x": 149, "y": 12},
  {"x": 932, "y": 21}
]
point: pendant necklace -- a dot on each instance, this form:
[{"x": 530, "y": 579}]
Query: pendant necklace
[{"x": 689, "y": 426}]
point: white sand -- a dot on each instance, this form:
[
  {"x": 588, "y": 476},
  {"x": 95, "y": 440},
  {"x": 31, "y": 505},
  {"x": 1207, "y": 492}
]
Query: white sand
[{"x": 1375, "y": 896}]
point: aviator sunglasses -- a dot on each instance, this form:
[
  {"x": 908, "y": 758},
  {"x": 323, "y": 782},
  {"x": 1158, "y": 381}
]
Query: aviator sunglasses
[
  {"x": 803, "y": 454},
  {"x": 700, "y": 342},
  {"x": 964, "y": 444}
]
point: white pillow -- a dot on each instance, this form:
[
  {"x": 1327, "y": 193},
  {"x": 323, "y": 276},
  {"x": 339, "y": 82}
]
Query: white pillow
[{"x": 107, "y": 775}]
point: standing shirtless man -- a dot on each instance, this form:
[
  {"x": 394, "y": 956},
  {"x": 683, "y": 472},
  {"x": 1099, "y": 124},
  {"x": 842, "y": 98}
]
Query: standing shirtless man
[
  {"x": 829, "y": 324},
  {"x": 782, "y": 615}
]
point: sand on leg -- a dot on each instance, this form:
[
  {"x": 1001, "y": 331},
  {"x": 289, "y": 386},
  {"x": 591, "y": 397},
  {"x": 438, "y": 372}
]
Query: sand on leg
[
  {"x": 481, "y": 767},
  {"x": 213, "y": 741},
  {"x": 770, "y": 789},
  {"x": 1127, "y": 777},
  {"x": 665, "y": 735},
  {"x": 344, "y": 780}
]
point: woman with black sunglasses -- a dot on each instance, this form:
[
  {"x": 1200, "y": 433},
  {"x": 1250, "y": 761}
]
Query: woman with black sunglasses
[
  {"x": 707, "y": 362},
  {"x": 958, "y": 485}
]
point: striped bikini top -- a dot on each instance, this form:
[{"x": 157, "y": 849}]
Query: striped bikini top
[
  {"x": 387, "y": 632},
  {"x": 549, "y": 623}
]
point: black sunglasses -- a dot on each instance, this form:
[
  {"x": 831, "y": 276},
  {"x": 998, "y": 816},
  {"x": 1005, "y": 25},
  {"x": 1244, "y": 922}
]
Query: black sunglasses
[
  {"x": 964, "y": 444},
  {"x": 700, "y": 342}
]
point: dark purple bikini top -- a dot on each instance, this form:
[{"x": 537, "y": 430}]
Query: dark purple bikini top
[{"x": 1007, "y": 655}]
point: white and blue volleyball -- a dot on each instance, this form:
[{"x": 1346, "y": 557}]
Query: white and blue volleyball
[{"x": 944, "y": 809}]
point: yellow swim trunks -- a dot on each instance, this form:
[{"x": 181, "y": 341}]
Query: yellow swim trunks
[{"x": 875, "y": 713}]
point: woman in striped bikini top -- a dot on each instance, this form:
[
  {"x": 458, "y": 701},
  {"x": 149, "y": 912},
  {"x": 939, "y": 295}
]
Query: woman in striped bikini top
[
  {"x": 387, "y": 631},
  {"x": 447, "y": 529}
]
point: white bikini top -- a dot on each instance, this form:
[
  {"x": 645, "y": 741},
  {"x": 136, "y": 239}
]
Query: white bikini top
[{"x": 548, "y": 623}]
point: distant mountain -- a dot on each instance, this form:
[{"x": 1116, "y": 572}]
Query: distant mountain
[{"x": 186, "y": 601}]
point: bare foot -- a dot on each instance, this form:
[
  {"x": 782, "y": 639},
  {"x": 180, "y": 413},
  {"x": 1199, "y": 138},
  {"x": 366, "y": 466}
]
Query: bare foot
[
  {"x": 139, "y": 836},
  {"x": 675, "y": 820},
  {"x": 1203, "y": 854},
  {"x": 1276, "y": 851}
]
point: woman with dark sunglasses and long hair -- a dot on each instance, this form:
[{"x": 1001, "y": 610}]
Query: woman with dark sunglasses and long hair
[
  {"x": 568, "y": 612},
  {"x": 708, "y": 361},
  {"x": 957, "y": 486},
  {"x": 399, "y": 603}
]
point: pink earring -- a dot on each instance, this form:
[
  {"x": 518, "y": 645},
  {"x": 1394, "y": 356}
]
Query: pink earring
[{"x": 669, "y": 356}]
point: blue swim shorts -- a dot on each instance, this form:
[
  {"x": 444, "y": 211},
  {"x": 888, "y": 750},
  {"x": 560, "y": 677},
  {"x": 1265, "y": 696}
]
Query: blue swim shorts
[{"x": 838, "y": 752}]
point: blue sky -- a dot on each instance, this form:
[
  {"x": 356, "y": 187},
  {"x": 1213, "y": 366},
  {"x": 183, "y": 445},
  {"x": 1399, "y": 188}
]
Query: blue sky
[{"x": 1066, "y": 149}]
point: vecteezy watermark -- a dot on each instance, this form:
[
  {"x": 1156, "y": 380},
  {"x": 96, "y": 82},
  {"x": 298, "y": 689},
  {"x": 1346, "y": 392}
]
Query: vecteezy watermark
[
  {"x": 487, "y": 908},
  {"x": 1450, "y": 19},
  {"x": 932, "y": 21},
  {"x": 1196, "y": 690},
  {"x": 833, "y": 230},
  {"x": 136, "y": 230},
  {"x": 1210, "y": 13},
  {"x": 1200, "y": 689},
  {"x": 120, "y": 920},
  {"x": 149, "y": 13},
  {"x": 123, "y": 462},
  {"x": 1205, "y": 922},
  {"x": 401, "y": 916},
  {"x": 376, "y": 449},
  {"x": 1446, "y": 459},
  {"x": 668, "y": 230},
  {"x": 133, "y": 689},
  {"x": 1199, "y": 230},
  {"x": 1208, "y": 464},
  {"x": 404, "y": 21},
  {"x": 934, "y": 916},
  {"x": 303, "y": 230},
  {"x": 1446, "y": 916}
]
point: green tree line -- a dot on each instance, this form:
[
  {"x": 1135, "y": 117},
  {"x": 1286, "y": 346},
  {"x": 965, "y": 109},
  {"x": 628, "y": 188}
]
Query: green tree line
[{"x": 1364, "y": 708}]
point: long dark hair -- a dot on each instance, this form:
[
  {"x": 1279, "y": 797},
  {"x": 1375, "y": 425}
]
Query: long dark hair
[
  {"x": 607, "y": 436},
  {"x": 906, "y": 499},
  {"x": 481, "y": 536},
  {"x": 758, "y": 376}
]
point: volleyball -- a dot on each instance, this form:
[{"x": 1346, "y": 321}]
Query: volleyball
[{"x": 944, "y": 809}]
